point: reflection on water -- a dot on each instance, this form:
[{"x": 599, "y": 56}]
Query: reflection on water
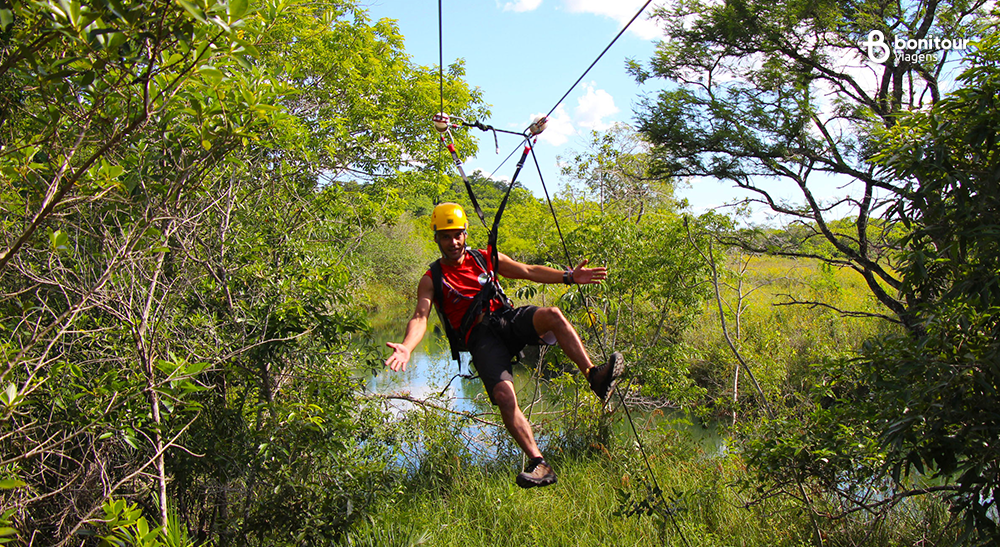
[{"x": 431, "y": 374}]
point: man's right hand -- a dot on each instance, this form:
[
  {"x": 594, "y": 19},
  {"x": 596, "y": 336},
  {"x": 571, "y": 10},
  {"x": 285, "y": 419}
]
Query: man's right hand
[{"x": 400, "y": 356}]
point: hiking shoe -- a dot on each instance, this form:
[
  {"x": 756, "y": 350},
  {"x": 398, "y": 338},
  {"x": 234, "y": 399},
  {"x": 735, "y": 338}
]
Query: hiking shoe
[
  {"x": 602, "y": 379},
  {"x": 537, "y": 473}
]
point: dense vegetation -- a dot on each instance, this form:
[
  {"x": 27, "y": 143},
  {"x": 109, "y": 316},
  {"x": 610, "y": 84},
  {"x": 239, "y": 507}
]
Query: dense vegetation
[{"x": 206, "y": 204}]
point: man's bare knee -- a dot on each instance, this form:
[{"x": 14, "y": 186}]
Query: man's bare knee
[
  {"x": 504, "y": 396},
  {"x": 547, "y": 319}
]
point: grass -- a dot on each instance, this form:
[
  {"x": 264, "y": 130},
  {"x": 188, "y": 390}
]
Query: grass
[
  {"x": 781, "y": 342},
  {"x": 598, "y": 500},
  {"x": 582, "y": 509},
  {"x": 595, "y": 504}
]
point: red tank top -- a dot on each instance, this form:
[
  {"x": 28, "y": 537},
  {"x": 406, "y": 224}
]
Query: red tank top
[{"x": 460, "y": 284}]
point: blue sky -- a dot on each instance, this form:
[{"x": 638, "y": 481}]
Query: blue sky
[{"x": 524, "y": 55}]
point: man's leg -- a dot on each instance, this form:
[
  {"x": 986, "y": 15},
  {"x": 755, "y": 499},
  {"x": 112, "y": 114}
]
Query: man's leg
[
  {"x": 552, "y": 320},
  {"x": 602, "y": 378},
  {"x": 517, "y": 424},
  {"x": 492, "y": 358},
  {"x": 537, "y": 472}
]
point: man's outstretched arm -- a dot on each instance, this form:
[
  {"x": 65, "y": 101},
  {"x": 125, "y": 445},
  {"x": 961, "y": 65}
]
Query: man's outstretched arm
[
  {"x": 415, "y": 328},
  {"x": 513, "y": 269}
]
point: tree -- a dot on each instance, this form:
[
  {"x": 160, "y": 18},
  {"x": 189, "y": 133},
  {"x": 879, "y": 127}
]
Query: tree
[
  {"x": 183, "y": 184},
  {"x": 617, "y": 168},
  {"x": 753, "y": 108},
  {"x": 113, "y": 113},
  {"x": 783, "y": 92},
  {"x": 617, "y": 213},
  {"x": 937, "y": 398}
]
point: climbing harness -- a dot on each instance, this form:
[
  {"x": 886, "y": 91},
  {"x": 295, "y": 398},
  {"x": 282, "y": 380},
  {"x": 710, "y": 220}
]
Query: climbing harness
[
  {"x": 490, "y": 291},
  {"x": 444, "y": 124}
]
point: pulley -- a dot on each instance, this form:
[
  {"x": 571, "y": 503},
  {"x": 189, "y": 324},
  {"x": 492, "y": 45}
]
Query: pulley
[
  {"x": 538, "y": 125},
  {"x": 441, "y": 122}
]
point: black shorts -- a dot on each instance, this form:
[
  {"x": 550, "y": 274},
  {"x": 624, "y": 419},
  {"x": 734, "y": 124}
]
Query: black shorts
[{"x": 497, "y": 340}]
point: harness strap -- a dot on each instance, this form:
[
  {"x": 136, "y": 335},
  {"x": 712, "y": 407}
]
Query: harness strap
[
  {"x": 465, "y": 179},
  {"x": 490, "y": 291},
  {"x": 492, "y": 241}
]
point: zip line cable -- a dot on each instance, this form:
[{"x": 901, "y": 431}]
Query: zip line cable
[
  {"x": 586, "y": 304},
  {"x": 441, "y": 54},
  {"x": 584, "y": 75},
  {"x": 440, "y": 77}
]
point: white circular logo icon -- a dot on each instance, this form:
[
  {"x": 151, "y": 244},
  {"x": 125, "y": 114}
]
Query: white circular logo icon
[{"x": 878, "y": 50}]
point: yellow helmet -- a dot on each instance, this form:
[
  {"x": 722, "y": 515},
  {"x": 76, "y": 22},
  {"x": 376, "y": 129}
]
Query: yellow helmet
[{"x": 449, "y": 216}]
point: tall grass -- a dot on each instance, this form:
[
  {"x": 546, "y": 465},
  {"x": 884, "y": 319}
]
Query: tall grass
[
  {"x": 597, "y": 502},
  {"x": 780, "y": 339}
]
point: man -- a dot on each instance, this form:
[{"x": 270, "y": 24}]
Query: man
[{"x": 495, "y": 333}]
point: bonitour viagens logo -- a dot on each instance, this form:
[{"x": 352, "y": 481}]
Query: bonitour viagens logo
[{"x": 911, "y": 50}]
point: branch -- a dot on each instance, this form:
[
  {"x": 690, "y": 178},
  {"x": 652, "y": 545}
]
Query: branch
[
  {"x": 722, "y": 318},
  {"x": 891, "y": 500},
  {"x": 792, "y": 301},
  {"x": 425, "y": 403},
  {"x": 72, "y": 535}
]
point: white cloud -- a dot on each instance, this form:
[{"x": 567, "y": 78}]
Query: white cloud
[
  {"x": 522, "y": 5},
  {"x": 560, "y": 127},
  {"x": 593, "y": 107},
  {"x": 621, "y": 11}
]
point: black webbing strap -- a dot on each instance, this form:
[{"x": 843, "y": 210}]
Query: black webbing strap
[
  {"x": 465, "y": 179},
  {"x": 454, "y": 342},
  {"x": 490, "y": 290},
  {"x": 492, "y": 241}
]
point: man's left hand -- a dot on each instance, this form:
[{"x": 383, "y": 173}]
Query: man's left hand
[{"x": 584, "y": 276}]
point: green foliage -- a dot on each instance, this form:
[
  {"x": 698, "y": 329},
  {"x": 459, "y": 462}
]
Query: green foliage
[
  {"x": 184, "y": 188},
  {"x": 933, "y": 406},
  {"x": 948, "y": 156},
  {"x": 597, "y": 501},
  {"x": 933, "y": 392},
  {"x": 649, "y": 298},
  {"x": 782, "y": 341},
  {"x": 8, "y": 534},
  {"x": 911, "y": 415},
  {"x": 129, "y": 528},
  {"x": 795, "y": 114},
  {"x": 618, "y": 215},
  {"x": 395, "y": 536}
]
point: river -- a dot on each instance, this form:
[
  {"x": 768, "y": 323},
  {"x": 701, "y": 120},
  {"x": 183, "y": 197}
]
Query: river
[{"x": 432, "y": 377}]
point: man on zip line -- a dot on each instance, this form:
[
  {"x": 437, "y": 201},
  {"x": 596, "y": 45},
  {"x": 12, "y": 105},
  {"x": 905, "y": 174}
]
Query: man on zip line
[{"x": 478, "y": 318}]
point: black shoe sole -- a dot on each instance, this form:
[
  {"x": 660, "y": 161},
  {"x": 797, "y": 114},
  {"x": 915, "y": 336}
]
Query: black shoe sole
[
  {"x": 525, "y": 482},
  {"x": 616, "y": 370}
]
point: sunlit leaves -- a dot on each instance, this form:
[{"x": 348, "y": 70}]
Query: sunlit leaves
[
  {"x": 191, "y": 170},
  {"x": 59, "y": 241}
]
